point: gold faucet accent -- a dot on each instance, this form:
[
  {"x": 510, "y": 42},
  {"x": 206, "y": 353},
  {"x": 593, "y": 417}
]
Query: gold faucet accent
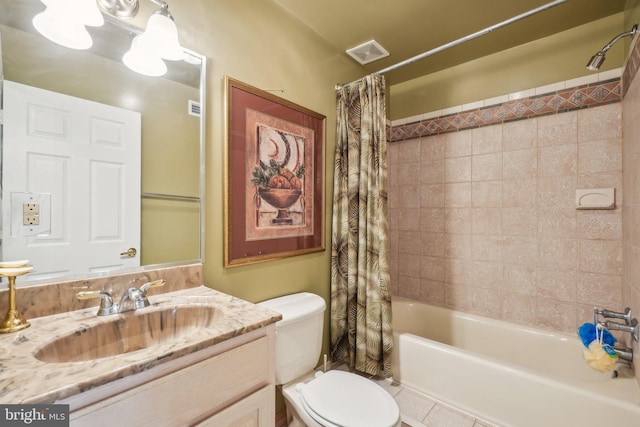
[{"x": 13, "y": 321}]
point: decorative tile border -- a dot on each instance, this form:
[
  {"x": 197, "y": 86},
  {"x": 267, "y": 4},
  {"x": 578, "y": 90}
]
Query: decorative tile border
[
  {"x": 631, "y": 67},
  {"x": 560, "y": 101},
  {"x": 574, "y": 98}
]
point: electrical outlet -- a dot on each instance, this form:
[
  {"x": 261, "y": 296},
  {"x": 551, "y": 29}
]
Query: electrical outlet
[
  {"x": 30, "y": 208},
  {"x": 30, "y": 219}
]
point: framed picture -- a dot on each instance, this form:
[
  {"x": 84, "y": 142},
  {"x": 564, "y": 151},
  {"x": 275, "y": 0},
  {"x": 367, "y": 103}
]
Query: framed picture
[{"x": 274, "y": 177}]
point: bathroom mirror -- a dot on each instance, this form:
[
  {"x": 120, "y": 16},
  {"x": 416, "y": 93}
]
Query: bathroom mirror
[{"x": 171, "y": 145}]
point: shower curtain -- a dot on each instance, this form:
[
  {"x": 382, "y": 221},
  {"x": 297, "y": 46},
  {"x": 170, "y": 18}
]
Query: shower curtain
[{"x": 361, "y": 333}]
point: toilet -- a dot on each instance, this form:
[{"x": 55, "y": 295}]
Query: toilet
[{"x": 316, "y": 399}]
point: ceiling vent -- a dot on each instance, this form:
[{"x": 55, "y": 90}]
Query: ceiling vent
[{"x": 368, "y": 52}]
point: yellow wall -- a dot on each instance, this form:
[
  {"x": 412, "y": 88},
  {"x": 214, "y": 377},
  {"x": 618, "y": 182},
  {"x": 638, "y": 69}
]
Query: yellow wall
[
  {"x": 257, "y": 43},
  {"x": 553, "y": 59}
]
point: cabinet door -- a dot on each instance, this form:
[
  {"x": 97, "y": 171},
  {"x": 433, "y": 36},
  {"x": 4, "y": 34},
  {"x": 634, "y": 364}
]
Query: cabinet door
[
  {"x": 256, "y": 410},
  {"x": 186, "y": 395}
]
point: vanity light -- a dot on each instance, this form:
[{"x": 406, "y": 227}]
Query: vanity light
[
  {"x": 158, "y": 42},
  {"x": 63, "y": 22},
  {"x": 142, "y": 60}
]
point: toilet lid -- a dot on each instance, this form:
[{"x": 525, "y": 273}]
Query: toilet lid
[{"x": 349, "y": 400}]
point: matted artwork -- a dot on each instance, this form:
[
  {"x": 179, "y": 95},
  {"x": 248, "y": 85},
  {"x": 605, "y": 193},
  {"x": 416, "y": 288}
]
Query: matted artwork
[{"x": 274, "y": 189}]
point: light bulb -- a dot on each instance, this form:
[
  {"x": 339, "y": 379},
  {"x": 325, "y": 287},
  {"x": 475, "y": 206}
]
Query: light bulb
[
  {"x": 144, "y": 61},
  {"x": 161, "y": 36}
]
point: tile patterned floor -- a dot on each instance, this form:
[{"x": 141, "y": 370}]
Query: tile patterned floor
[{"x": 419, "y": 410}]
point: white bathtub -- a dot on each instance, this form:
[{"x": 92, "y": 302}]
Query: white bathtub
[{"x": 507, "y": 374}]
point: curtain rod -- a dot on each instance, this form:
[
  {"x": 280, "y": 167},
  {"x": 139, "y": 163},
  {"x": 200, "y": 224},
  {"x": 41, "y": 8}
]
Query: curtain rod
[{"x": 465, "y": 38}]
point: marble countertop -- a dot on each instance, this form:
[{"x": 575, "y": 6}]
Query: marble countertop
[{"x": 25, "y": 379}]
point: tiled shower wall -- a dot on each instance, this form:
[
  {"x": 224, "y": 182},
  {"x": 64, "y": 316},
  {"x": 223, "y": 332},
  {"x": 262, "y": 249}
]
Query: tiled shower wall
[
  {"x": 631, "y": 204},
  {"x": 484, "y": 220}
]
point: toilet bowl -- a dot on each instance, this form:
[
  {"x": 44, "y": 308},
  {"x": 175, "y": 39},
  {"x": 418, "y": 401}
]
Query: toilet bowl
[
  {"x": 340, "y": 399},
  {"x": 332, "y": 399}
]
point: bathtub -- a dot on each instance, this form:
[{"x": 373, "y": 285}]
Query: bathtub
[{"x": 506, "y": 374}]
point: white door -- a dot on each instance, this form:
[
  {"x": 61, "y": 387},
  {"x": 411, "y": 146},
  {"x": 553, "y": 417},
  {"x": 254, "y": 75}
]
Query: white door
[{"x": 84, "y": 154}]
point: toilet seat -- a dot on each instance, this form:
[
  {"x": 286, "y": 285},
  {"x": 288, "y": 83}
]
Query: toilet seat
[{"x": 343, "y": 399}]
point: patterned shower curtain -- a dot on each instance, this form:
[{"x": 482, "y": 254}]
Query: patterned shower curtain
[{"x": 361, "y": 333}]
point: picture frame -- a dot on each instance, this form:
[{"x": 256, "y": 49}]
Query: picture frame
[{"x": 274, "y": 177}]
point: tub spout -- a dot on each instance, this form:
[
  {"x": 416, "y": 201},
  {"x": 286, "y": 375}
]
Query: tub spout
[{"x": 624, "y": 353}]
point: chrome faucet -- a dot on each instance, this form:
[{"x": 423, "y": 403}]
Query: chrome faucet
[
  {"x": 633, "y": 328},
  {"x": 132, "y": 299},
  {"x": 626, "y": 316},
  {"x": 135, "y": 298}
]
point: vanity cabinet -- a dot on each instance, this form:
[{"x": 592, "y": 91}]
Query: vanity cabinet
[{"x": 229, "y": 384}]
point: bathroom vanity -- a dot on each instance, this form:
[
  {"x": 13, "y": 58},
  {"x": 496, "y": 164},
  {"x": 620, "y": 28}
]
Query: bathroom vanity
[{"x": 196, "y": 356}]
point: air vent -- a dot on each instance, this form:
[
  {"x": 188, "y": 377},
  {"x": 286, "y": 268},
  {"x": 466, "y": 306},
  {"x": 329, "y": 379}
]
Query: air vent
[
  {"x": 368, "y": 52},
  {"x": 194, "y": 108}
]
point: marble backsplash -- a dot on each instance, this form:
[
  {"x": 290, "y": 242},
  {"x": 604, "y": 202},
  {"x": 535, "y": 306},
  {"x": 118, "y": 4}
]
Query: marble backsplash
[{"x": 58, "y": 297}]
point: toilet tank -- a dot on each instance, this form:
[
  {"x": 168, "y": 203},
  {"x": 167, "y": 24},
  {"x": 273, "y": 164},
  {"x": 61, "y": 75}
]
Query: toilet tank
[{"x": 298, "y": 334}]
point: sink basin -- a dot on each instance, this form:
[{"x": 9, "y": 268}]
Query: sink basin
[{"x": 128, "y": 332}]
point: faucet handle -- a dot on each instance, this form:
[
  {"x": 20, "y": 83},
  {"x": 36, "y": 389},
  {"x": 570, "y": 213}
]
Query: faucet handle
[
  {"x": 106, "y": 301},
  {"x": 152, "y": 284}
]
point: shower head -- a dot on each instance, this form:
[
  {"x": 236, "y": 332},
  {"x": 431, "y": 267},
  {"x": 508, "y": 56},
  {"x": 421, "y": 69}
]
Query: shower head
[{"x": 597, "y": 60}]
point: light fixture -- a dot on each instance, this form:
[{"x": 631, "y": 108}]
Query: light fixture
[
  {"x": 159, "y": 41},
  {"x": 144, "y": 61},
  {"x": 122, "y": 9},
  {"x": 597, "y": 60},
  {"x": 64, "y": 21}
]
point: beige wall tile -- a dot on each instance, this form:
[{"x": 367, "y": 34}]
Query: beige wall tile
[
  {"x": 558, "y": 254},
  {"x": 556, "y": 284},
  {"x": 432, "y": 172},
  {"x": 431, "y": 196},
  {"x": 601, "y": 256},
  {"x": 487, "y": 139},
  {"x": 557, "y": 315},
  {"x": 457, "y": 246},
  {"x": 600, "y": 122},
  {"x": 408, "y": 219},
  {"x": 457, "y": 220},
  {"x": 522, "y": 193},
  {"x": 432, "y": 244},
  {"x": 484, "y": 220},
  {"x": 457, "y": 195},
  {"x": 600, "y": 224},
  {"x": 487, "y": 221},
  {"x": 558, "y": 160},
  {"x": 519, "y": 221},
  {"x": 431, "y": 149},
  {"x": 596, "y": 157},
  {"x": 432, "y": 268},
  {"x": 519, "y": 308},
  {"x": 559, "y": 191},
  {"x": 488, "y": 274},
  {"x": 407, "y": 151},
  {"x": 558, "y": 129},
  {"x": 520, "y": 135},
  {"x": 598, "y": 290},
  {"x": 431, "y": 219},
  {"x": 520, "y": 279},
  {"x": 486, "y": 194},
  {"x": 457, "y": 169},
  {"x": 520, "y": 250},
  {"x": 487, "y": 167},
  {"x": 520, "y": 164},
  {"x": 557, "y": 222},
  {"x": 458, "y": 144}
]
